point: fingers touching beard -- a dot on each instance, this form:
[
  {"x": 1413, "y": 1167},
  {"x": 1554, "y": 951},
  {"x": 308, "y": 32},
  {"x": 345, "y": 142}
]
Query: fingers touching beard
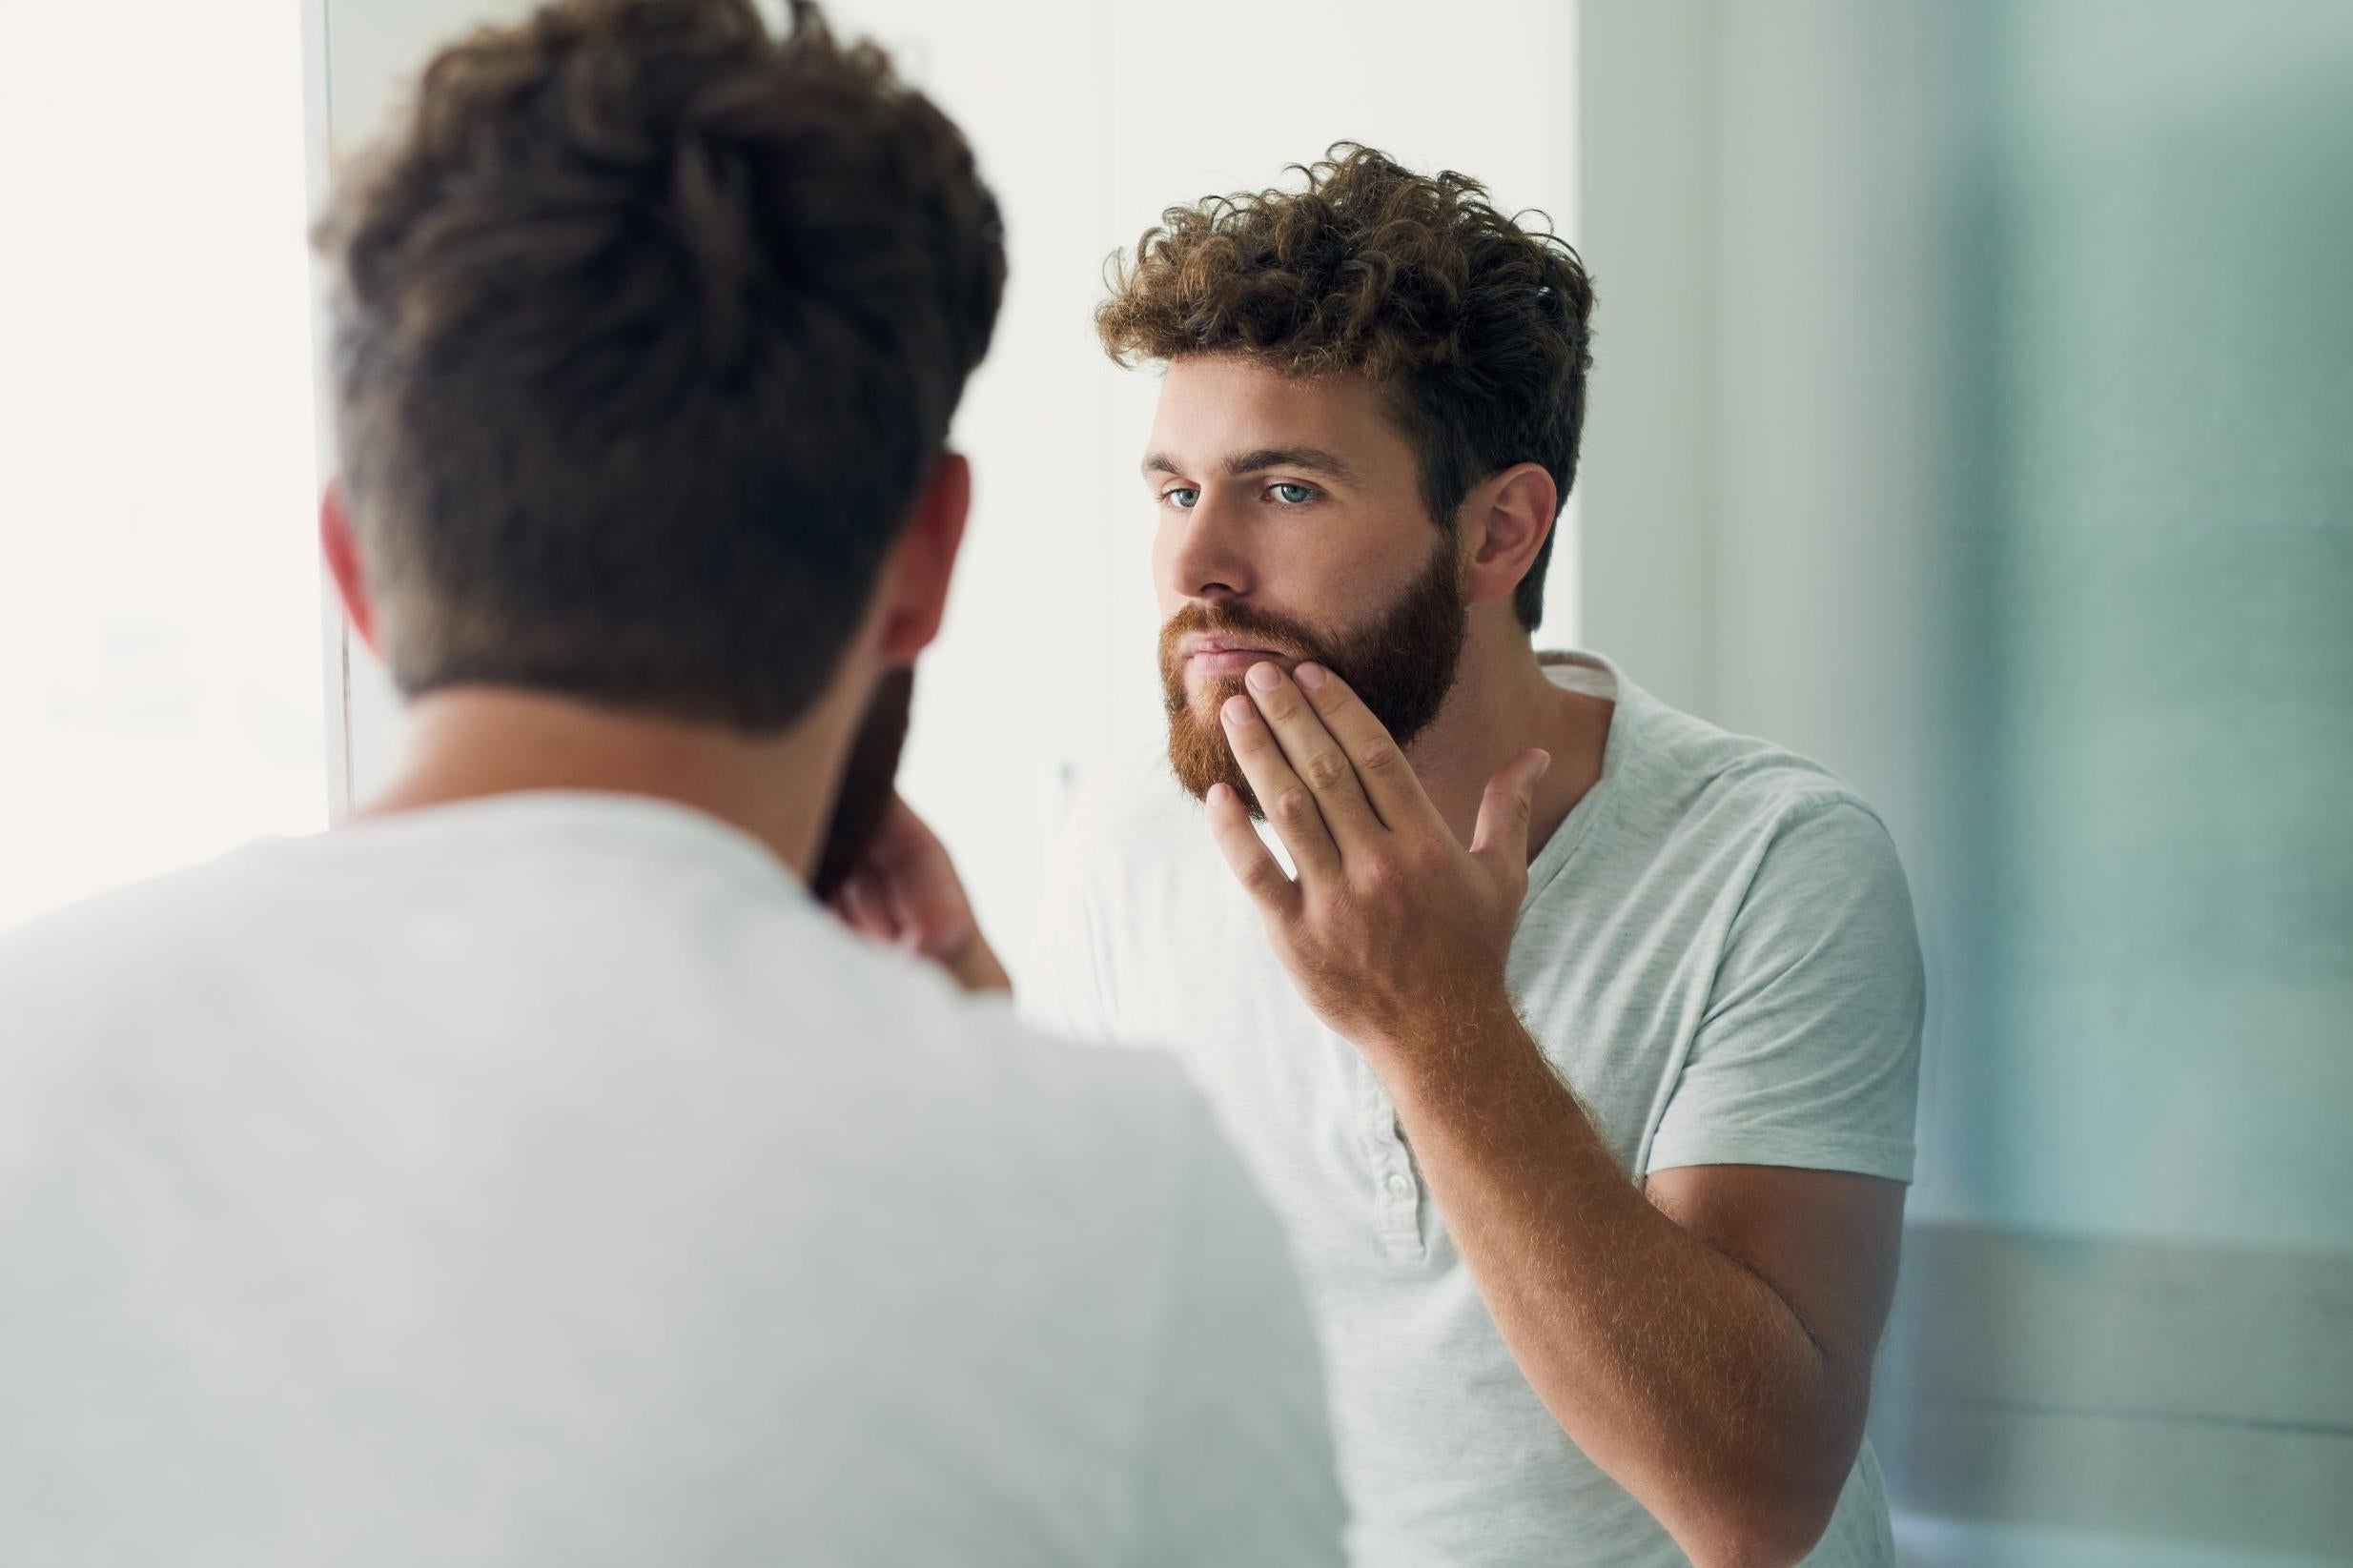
[{"x": 1402, "y": 661}]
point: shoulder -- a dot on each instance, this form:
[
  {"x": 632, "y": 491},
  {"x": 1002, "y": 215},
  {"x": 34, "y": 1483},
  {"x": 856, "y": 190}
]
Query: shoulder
[
  {"x": 1117, "y": 1157},
  {"x": 1707, "y": 785},
  {"x": 1804, "y": 872},
  {"x": 1104, "y": 1123},
  {"x": 109, "y": 985},
  {"x": 1140, "y": 1100},
  {"x": 95, "y": 946}
]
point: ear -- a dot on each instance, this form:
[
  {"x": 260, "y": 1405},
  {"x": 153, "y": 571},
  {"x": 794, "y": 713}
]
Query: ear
[
  {"x": 1506, "y": 519},
  {"x": 913, "y": 594},
  {"x": 341, "y": 550}
]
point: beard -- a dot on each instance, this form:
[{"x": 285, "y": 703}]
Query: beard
[
  {"x": 867, "y": 782},
  {"x": 1400, "y": 662}
]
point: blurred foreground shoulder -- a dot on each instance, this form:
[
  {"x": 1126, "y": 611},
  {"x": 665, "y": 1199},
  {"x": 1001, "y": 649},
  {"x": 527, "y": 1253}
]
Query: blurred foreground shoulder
[{"x": 1235, "y": 1465}]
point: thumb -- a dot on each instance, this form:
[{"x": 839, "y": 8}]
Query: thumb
[{"x": 1500, "y": 836}]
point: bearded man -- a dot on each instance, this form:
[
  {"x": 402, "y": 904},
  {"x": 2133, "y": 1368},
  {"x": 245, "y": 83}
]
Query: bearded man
[
  {"x": 527, "y": 1171},
  {"x": 1574, "y": 1039}
]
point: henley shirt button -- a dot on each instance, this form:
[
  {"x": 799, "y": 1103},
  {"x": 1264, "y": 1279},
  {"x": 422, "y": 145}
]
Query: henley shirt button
[{"x": 1399, "y": 1186}]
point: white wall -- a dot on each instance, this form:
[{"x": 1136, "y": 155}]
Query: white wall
[
  {"x": 159, "y": 689},
  {"x": 1089, "y": 117}
]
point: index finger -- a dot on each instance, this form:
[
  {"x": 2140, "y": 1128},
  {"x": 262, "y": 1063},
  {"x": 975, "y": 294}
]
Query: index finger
[
  {"x": 1387, "y": 778},
  {"x": 1317, "y": 756}
]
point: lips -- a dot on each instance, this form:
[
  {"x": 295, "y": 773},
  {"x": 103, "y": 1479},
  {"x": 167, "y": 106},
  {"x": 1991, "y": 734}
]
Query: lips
[
  {"x": 1211, "y": 658},
  {"x": 1202, "y": 643},
  {"x": 1221, "y": 650},
  {"x": 1231, "y": 662}
]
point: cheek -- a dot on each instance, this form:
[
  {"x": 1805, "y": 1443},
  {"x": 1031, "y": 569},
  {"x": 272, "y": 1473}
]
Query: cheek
[
  {"x": 1330, "y": 576},
  {"x": 1165, "y": 589}
]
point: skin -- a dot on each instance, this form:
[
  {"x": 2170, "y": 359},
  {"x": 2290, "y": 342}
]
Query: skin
[
  {"x": 905, "y": 893},
  {"x": 467, "y": 743},
  {"x": 1704, "y": 1335},
  {"x": 1318, "y": 545}
]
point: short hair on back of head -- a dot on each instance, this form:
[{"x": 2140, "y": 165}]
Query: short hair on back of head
[
  {"x": 647, "y": 326},
  {"x": 1480, "y": 326}
]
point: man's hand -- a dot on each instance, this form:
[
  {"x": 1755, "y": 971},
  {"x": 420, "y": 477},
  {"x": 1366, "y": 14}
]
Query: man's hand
[
  {"x": 906, "y": 892},
  {"x": 1394, "y": 933}
]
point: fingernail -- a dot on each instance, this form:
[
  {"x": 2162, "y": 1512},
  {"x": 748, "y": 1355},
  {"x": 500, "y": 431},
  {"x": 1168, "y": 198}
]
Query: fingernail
[
  {"x": 1308, "y": 676},
  {"x": 1264, "y": 677},
  {"x": 1238, "y": 710}
]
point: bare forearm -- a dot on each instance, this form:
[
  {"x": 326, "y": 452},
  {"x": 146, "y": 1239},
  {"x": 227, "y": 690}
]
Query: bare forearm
[{"x": 1682, "y": 1374}]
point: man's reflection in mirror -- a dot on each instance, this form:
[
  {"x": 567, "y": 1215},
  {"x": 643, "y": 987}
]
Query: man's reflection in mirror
[{"x": 1575, "y": 1039}]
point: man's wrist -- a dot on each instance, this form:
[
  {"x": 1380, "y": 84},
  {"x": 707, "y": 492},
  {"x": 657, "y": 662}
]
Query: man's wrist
[{"x": 1437, "y": 1049}]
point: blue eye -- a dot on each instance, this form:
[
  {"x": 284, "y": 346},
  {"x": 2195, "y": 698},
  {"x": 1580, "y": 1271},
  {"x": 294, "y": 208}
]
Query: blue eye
[
  {"x": 1291, "y": 495},
  {"x": 1183, "y": 497}
]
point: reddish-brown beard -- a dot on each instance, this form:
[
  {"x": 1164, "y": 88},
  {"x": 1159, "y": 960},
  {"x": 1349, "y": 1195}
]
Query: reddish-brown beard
[{"x": 1401, "y": 662}]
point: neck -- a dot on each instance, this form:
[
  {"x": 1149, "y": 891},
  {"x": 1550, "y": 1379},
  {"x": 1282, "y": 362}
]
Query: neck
[
  {"x": 469, "y": 742},
  {"x": 1502, "y": 705}
]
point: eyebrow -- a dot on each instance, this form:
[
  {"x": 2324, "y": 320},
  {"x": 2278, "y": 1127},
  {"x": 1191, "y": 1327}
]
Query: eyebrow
[{"x": 1311, "y": 458}]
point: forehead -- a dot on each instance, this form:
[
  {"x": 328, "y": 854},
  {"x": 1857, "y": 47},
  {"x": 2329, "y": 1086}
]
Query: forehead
[{"x": 1213, "y": 406}]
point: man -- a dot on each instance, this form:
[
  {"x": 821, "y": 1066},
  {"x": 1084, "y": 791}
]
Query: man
[
  {"x": 533, "y": 1171},
  {"x": 1574, "y": 1038}
]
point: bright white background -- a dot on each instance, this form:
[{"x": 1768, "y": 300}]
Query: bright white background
[{"x": 160, "y": 670}]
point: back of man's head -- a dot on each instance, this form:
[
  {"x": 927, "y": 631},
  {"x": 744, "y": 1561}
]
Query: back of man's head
[{"x": 648, "y": 325}]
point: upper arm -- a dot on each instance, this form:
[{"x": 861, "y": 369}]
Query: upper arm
[
  {"x": 1807, "y": 1053},
  {"x": 1787, "y": 1138},
  {"x": 1824, "y": 1241}
]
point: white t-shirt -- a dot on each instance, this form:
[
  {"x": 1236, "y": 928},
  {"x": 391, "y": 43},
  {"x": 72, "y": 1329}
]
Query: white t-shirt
[
  {"x": 1717, "y": 953},
  {"x": 547, "y": 1179}
]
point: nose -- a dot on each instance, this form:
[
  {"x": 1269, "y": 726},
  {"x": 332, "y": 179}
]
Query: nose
[{"x": 1205, "y": 553}]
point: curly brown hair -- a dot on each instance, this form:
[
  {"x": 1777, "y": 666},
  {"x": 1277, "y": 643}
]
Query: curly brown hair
[
  {"x": 1480, "y": 325},
  {"x": 647, "y": 327}
]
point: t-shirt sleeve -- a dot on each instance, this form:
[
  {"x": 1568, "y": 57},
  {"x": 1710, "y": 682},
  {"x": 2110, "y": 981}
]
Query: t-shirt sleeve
[
  {"x": 1809, "y": 1052},
  {"x": 1236, "y": 1466}
]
